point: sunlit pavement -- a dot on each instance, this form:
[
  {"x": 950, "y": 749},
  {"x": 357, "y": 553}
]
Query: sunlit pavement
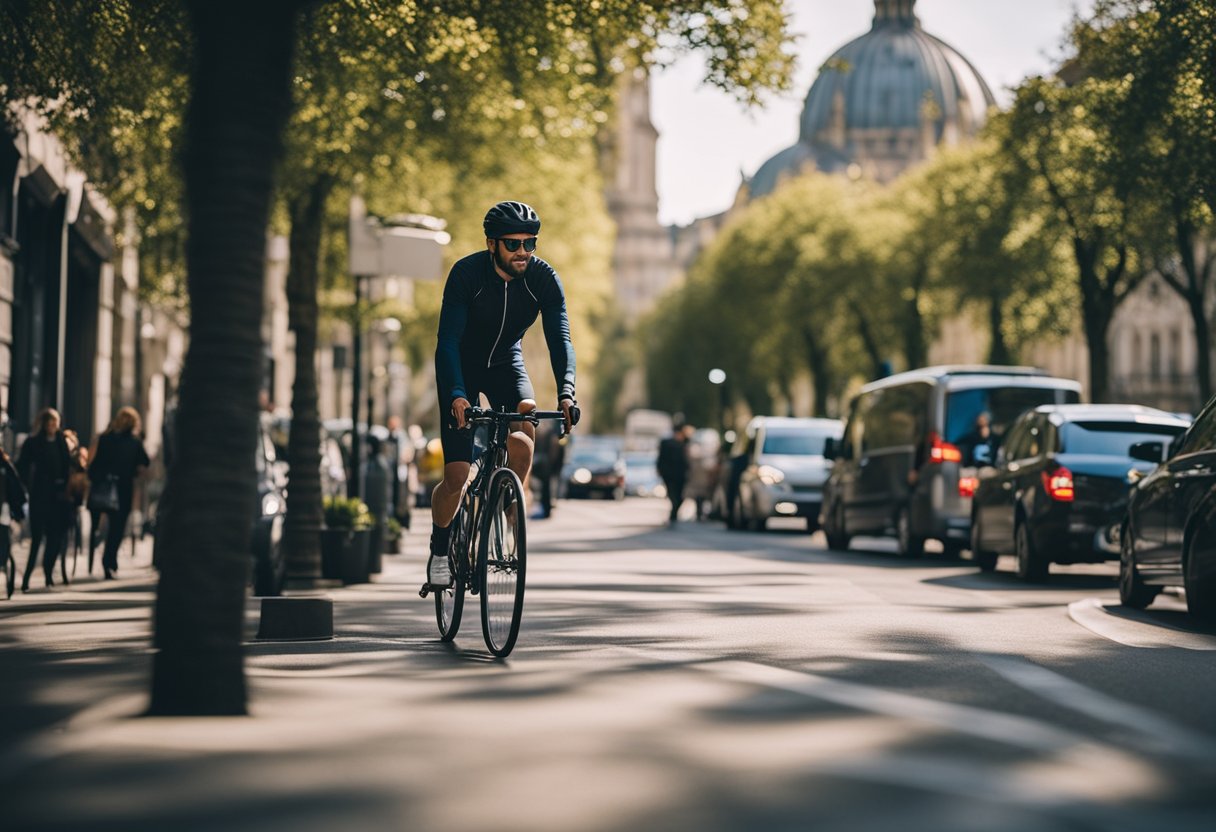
[{"x": 686, "y": 678}]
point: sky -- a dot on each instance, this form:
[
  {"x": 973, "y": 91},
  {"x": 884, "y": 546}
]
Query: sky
[{"x": 706, "y": 138}]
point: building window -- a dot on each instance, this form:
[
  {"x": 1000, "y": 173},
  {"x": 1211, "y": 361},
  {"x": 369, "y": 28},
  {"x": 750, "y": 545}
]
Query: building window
[
  {"x": 1137, "y": 355},
  {"x": 1175, "y": 354},
  {"x": 1154, "y": 357}
]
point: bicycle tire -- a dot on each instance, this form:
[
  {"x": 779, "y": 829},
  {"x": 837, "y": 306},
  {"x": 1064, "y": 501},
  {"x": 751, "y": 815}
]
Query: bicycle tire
[
  {"x": 449, "y": 603},
  {"x": 10, "y": 576},
  {"x": 502, "y": 562}
]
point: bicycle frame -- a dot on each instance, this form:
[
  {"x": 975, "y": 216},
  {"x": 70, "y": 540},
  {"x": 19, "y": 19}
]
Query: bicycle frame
[{"x": 486, "y": 463}]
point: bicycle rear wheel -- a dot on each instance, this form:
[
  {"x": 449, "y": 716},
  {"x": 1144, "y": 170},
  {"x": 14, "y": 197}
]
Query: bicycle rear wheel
[
  {"x": 502, "y": 561},
  {"x": 449, "y": 603}
]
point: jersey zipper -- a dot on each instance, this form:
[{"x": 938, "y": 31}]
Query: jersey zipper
[{"x": 503, "y": 326}]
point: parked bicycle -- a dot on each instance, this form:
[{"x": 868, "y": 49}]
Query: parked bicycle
[{"x": 488, "y": 541}]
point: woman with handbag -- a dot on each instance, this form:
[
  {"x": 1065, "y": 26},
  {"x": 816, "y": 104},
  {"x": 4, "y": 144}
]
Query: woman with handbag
[
  {"x": 116, "y": 459},
  {"x": 43, "y": 465}
]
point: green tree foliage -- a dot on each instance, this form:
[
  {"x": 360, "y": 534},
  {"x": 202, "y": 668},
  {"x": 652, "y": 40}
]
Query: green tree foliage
[
  {"x": 109, "y": 77},
  {"x": 981, "y": 228},
  {"x": 1161, "y": 49},
  {"x": 771, "y": 298}
]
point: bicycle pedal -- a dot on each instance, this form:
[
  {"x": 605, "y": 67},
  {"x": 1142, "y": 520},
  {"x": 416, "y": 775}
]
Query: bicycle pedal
[{"x": 426, "y": 590}]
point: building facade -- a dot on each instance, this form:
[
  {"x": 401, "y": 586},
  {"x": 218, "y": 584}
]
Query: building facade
[{"x": 68, "y": 295}]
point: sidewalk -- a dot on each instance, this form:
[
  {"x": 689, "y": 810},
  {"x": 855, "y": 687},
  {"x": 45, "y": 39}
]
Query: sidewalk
[{"x": 339, "y": 734}]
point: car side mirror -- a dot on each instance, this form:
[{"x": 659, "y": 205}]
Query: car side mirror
[
  {"x": 982, "y": 454},
  {"x": 830, "y": 450},
  {"x": 1148, "y": 452}
]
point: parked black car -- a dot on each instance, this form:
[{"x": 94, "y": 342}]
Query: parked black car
[
  {"x": 1169, "y": 534},
  {"x": 1058, "y": 487},
  {"x": 269, "y": 563}
]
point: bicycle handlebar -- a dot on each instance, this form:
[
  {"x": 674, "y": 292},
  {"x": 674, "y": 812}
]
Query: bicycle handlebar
[{"x": 482, "y": 414}]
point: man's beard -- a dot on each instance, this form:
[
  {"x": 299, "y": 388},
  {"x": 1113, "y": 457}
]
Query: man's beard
[{"x": 513, "y": 269}]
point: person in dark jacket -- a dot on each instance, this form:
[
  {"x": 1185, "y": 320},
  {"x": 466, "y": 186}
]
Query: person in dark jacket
[
  {"x": 43, "y": 465},
  {"x": 12, "y": 507},
  {"x": 118, "y": 454},
  {"x": 673, "y": 466}
]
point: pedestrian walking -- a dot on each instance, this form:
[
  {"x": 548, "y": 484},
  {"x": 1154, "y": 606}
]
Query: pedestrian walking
[
  {"x": 43, "y": 465},
  {"x": 12, "y": 507},
  {"x": 74, "y": 495},
  {"x": 377, "y": 493},
  {"x": 118, "y": 458},
  {"x": 547, "y": 465},
  {"x": 672, "y": 465}
]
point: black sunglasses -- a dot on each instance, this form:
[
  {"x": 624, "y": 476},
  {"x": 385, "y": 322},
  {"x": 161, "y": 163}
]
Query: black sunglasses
[{"x": 512, "y": 244}]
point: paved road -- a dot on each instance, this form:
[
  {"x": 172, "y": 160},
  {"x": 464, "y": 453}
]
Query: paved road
[{"x": 683, "y": 679}]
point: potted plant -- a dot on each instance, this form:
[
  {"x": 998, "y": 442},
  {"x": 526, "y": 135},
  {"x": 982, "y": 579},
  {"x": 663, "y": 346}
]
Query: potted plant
[
  {"x": 344, "y": 539},
  {"x": 392, "y": 536}
]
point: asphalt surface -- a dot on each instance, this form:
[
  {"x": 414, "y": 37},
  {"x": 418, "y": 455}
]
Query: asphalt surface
[{"x": 685, "y": 678}]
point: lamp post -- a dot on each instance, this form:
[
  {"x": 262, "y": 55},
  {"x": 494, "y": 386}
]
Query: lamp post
[
  {"x": 409, "y": 245},
  {"x": 717, "y": 378}
]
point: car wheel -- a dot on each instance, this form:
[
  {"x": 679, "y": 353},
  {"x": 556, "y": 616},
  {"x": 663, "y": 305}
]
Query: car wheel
[
  {"x": 1133, "y": 592},
  {"x": 910, "y": 546},
  {"x": 1200, "y": 590},
  {"x": 759, "y": 524},
  {"x": 1032, "y": 566},
  {"x": 835, "y": 532},
  {"x": 985, "y": 559}
]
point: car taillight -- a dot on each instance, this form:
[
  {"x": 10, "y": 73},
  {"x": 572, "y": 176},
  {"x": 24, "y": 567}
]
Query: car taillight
[
  {"x": 1058, "y": 484},
  {"x": 942, "y": 451},
  {"x": 966, "y": 486}
]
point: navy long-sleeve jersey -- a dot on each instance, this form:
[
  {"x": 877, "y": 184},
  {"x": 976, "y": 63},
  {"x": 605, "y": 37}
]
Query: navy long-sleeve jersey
[{"x": 484, "y": 318}]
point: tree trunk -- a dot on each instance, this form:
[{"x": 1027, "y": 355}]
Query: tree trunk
[
  {"x": 1194, "y": 291},
  {"x": 867, "y": 338},
  {"x": 915, "y": 350},
  {"x": 1097, "y": 310},
  {"x": 821, "y": 371},
  {"x": 239, "y": 104},
  {"x": 301, "y": 530},
  {"x": 998, "y": 348}
]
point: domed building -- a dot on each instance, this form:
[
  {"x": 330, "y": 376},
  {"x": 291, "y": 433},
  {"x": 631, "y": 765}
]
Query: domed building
[{"x": 881, "y": 103}]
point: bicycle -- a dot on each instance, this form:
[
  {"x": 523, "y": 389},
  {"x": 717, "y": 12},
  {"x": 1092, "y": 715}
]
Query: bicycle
[{"x": 487, "y": 545}]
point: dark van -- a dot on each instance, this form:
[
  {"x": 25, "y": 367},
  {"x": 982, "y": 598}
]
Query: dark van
[{"x": 908, "y": 443}]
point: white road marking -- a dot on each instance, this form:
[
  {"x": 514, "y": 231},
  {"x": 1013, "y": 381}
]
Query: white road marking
[
  {"x": 1154, "y": 733},
  {"x": 1091, "y": 614},
  {"x": 1007, "y": 729}
]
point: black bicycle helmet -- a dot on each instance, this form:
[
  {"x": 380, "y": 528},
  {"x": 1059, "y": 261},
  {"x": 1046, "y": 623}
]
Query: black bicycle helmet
[{"x": 510, "y": 217}]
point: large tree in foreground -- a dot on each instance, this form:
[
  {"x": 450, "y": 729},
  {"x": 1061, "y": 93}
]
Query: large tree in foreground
[{"x": 240, "y": 99}]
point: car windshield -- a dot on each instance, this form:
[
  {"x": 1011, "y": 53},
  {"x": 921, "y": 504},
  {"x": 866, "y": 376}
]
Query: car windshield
[
  {"x": 640, "y": 460},
  {"x": 802, "y": 443},
  {"x": 1002, "y": 404},
  {"x": 1111, "y": 438}
]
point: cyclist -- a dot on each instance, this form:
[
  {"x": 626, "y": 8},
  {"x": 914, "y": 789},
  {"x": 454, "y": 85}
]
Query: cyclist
[{"x": 490, "y": 299}]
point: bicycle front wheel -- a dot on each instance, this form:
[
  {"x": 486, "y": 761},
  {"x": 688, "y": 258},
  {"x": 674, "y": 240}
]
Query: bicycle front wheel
[
  {"x": 449, "y": 603},
  {"x": 502, "y": 561}
]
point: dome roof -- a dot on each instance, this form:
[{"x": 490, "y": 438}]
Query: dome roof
[
  {"x": 887, "y": 75},
  {"x": 896, "y": 79}
]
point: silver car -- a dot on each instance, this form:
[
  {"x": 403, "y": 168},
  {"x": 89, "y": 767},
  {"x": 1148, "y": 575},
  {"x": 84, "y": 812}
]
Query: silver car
[{"x": 783, "y": 471}]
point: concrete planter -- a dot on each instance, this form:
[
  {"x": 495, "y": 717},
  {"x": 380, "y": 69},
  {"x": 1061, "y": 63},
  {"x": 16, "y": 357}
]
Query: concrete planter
[{"x": 344, "y": 554}]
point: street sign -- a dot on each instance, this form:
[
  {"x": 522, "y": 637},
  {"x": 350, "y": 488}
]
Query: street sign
[{"x": 380, "y": 249}]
